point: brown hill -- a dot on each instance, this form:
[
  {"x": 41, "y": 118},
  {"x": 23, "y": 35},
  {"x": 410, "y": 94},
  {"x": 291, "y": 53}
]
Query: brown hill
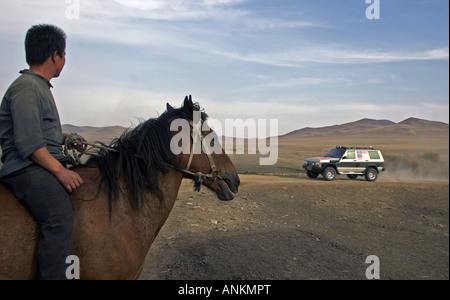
[
  {"x": 414, "y": 127},
  {"x": 93, "y": 134},
  {"x": 347, "y": 128},
  {"x": 420, "y": 122}
]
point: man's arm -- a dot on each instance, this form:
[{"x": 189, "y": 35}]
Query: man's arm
[{"x": 70, "y": 180}]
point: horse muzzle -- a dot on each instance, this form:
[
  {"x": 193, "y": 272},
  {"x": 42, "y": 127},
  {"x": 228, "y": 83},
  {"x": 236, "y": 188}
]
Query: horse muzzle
[{"x": 227, "y": 187}]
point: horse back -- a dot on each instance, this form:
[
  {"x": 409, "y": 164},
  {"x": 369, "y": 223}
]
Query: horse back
[{"x": 18, "y": 238}]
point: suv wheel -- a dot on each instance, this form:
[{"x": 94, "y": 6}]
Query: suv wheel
[
  {"x": 312, "y": 175},
  {"x": 371, "y": 174},
  {"x": 329, "y": 174}
]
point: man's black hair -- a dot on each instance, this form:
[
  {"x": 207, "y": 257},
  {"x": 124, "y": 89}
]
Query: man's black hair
[{"x": 42, "y": 41}]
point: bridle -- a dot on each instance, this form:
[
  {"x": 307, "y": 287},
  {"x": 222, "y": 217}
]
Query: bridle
[{"x": 199, "y": 177}]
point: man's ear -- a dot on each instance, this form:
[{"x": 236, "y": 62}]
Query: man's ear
[
  {"x": 54, "y": 56},
  {"x": 169, "y": 107}
]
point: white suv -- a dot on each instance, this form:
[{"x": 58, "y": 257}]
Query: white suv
[{"x": 353, "y": 162}]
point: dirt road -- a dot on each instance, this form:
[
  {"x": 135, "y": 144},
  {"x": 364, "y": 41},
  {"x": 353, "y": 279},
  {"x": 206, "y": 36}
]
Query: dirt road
[{"x": 297, "y": 228}]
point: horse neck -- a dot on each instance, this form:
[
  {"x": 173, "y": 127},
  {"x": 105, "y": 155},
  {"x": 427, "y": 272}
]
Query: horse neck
[{"x": 155, "y": 211}]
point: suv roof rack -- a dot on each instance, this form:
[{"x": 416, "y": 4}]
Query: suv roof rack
[{"x": 344, "y": 147}]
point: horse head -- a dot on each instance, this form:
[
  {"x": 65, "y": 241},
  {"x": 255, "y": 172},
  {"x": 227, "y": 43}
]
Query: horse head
[{"x": 202, "y": 158}]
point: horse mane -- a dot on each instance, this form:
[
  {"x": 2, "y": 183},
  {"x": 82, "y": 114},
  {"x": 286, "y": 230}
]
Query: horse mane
[{"x": 138, "y": 156}]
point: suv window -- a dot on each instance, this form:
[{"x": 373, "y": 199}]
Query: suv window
[
  {"x": 351, "y": 155},
  {"x": 374, "y": 155},
  {"x": 336, "y": 153}
]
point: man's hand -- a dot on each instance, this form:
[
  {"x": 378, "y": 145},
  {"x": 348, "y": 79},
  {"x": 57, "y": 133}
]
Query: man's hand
[{"x": 70, "y": 180}]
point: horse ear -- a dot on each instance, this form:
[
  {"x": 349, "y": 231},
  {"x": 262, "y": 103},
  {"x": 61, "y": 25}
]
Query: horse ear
[
  {"x": 169, "y": 107},
  {"x": 188, "y": 105}
]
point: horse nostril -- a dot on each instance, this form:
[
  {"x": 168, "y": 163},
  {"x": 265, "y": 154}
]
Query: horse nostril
[{"x": 233, "y": 181}]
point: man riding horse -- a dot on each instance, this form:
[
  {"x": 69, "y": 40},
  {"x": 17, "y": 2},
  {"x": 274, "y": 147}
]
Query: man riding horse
[{"x": 31, "y": 139}]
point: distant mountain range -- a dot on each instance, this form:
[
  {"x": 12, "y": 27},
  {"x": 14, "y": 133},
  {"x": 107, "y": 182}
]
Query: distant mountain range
[
  {"x": 102, "y": 134},
  {"x": 411, "y": 126}
]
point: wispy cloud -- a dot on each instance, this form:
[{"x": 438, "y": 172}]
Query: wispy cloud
[
  {"x": 173, "y": 10},
  {"x": 332, "y": 55},
  {"x": 299, "y": 82},
  {"x": 138, "y": 21}
]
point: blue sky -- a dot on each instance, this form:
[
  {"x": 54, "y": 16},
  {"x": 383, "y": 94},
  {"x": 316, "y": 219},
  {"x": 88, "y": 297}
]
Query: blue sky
[{"x": 308, "y": 63}]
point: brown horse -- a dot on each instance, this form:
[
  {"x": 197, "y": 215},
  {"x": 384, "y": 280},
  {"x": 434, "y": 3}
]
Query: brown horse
[{"x": 128, "y": 193}]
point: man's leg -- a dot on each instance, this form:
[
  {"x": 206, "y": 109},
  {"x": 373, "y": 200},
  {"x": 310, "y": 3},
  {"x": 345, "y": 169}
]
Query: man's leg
[{"x": 49, "y": 202}]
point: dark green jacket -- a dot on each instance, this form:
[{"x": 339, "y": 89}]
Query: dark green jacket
[{"x": 29, "y": 120}]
